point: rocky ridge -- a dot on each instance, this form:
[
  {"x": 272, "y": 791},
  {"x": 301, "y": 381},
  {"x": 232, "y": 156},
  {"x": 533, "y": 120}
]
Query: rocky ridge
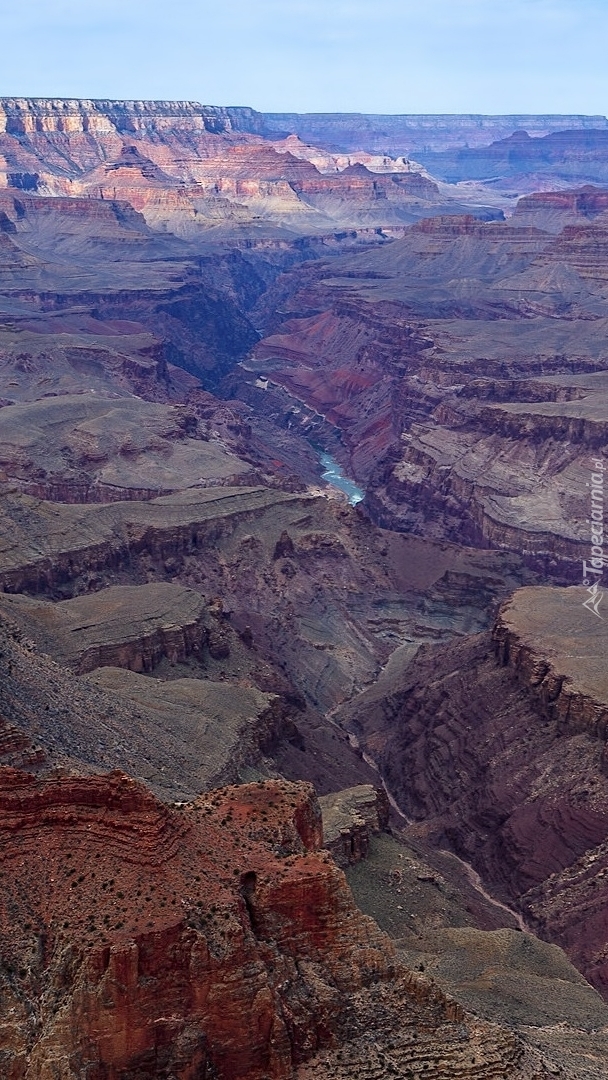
[
  {"x": 262, "y": 922},
  {"x": 523, "y": 162},
  {"x": 179, "y": 735}
]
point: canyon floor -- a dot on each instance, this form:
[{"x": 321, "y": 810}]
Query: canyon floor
[{"x": 292, "y": 788}]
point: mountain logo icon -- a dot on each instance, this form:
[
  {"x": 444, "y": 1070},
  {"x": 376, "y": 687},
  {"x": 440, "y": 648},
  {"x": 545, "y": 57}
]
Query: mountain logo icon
[{"x": 593, "y": 602}]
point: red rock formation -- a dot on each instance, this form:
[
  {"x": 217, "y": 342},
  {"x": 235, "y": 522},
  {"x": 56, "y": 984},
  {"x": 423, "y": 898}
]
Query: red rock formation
[
  {"x": 184, "y": 167},
  {"x": 215, "y": 939},
  {"x": 584, "y": 202}
]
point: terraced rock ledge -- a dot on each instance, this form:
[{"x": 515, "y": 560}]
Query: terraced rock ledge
[
  {"x": 129, "y": 626},
  {"x": 45, "y": 544}
]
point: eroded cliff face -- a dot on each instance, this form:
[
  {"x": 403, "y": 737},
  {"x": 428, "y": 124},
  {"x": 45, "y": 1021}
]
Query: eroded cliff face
[
  {"x": 350, "y": 818},
  {"x": 554, "y": 642},
  {"x": 495, "y": 747},
  {"x": 463, "y": 369},
  {"x": 188, "y": 167},
  {"x": 214, "y": 939},
  {"x": 97, "y": 448}
]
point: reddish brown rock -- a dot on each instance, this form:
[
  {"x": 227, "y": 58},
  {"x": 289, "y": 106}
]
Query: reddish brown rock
[
  {"x": 187, "y": 167},
  {"x": 138, "y": 934}
]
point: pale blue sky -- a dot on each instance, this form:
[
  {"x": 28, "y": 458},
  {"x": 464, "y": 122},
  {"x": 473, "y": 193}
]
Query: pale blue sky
[{"x": 312, "y": 56}]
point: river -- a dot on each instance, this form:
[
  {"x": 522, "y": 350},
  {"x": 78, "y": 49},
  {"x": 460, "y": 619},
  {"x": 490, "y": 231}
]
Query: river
[{"x": 334, "y": 476}]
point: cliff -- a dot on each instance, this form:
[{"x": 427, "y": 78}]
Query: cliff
[
  {"x": 344, "y": 131},
  {"x": 185, "y": 730},
  {"x": 67, "y": 541},
  {"x": 129, "y": 626},
  {"x": 551, "y": 210},
  {"x": 459, "y": 372},
  {"x": 133, "y": 935},
  {"x": 20, "y": 116},
  {"x": 556, "y": 648},
  {"x": 350, "y": 818},
  {"x": 495, "y": 748}
]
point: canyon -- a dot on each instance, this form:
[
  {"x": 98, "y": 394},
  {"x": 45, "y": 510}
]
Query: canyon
[{"x": 291, "y": 787}]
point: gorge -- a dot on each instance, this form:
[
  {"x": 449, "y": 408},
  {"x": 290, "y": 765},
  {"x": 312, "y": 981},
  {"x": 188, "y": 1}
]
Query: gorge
[{"x": 299, "y": 417}]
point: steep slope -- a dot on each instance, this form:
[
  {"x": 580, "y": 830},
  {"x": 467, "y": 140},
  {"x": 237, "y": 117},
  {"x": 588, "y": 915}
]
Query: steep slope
[
  {"x": 181, "y": 731},
  {"x": 157, "y": 927},
  {"x": 462, "y": 368},
  {"x": 495, "y": 747}
]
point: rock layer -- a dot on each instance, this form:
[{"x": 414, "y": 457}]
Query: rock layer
[
  {"x": 497, "y": 750},
  {"x": 129, "y": 626},
  {"x": 556, "y": 646},
  {"x": 350, "y": 817},
  {"x": 151, "y": 929},
  {"x": 460, "y": 376},
  {"x": 187, "y": 167},
  {"x": 179, "y": 735}
]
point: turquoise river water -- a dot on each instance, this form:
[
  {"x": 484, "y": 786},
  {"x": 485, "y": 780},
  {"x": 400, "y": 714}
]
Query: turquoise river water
[{"x": 333, "y": 475}]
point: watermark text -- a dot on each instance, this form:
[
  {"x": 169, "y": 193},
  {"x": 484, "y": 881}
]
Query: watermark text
[{"x": 593, "y": 569}]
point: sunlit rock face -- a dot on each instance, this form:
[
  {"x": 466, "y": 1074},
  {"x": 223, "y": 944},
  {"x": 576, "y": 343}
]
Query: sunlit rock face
[{"x": 185, "y": 167}]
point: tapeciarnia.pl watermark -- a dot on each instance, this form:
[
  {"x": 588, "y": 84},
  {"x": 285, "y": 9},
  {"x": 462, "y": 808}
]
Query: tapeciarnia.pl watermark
[{"x": 593, "y": 570}]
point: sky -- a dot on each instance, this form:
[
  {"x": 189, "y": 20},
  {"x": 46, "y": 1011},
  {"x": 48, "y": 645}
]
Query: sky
[{"x": 378, "y": 56}]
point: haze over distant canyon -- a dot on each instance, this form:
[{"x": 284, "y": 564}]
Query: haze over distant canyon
[{"x": 303, "y": 691}]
